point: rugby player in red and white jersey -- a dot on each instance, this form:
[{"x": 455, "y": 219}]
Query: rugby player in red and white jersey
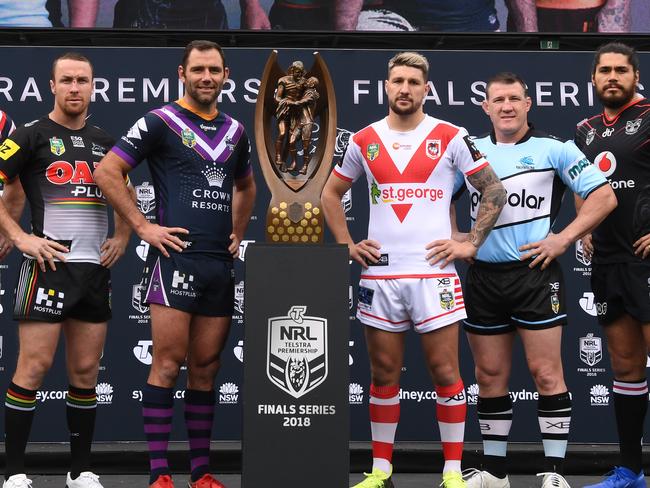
[{"x": 409, "y": 159}]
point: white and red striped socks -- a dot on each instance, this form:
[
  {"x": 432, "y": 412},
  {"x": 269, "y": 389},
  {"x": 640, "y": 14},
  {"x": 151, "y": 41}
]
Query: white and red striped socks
[
  {"x": 451, "y": 410},
  {"x": 384, "y": 416}
]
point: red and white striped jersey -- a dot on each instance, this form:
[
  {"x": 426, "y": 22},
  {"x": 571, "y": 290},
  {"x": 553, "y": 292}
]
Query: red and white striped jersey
[{"x": 410, "y": 184}]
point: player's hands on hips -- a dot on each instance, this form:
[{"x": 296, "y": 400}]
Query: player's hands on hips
[
  {"x": 642, "y": 246},
  {"x": 588, "y": 246},
  {"x": 112, "y": 249},
  {"x": 41, "y": 249},
  {"x": 233, "y": 248},
  {"x": 159, "y": 237},
  {"x": 448, "y": 250},
  {"x": 364, "y": 252},
  {"x": 5, "y": 246},
  {"x": 545, "y": 251}
]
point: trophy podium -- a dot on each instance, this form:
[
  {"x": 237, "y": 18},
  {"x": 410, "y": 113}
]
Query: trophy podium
[{"x": 296, "y": 380}]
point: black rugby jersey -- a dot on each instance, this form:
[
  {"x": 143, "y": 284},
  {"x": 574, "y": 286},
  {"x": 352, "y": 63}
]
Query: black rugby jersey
[
  {"x": 620, "y": 148},
  {"x": 55, "y": 165},
  {"x": 193, "y": 164}
]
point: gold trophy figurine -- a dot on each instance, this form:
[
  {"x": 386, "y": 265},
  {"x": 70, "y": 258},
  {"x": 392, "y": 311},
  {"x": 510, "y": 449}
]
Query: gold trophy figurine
[{"x": 296, "y": 160}]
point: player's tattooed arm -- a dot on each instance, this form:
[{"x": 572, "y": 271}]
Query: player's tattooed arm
[
  {"x": 615, "y": 16},
  {"x": 524, "y": 13},
  {"x": 493, "y": 198}
]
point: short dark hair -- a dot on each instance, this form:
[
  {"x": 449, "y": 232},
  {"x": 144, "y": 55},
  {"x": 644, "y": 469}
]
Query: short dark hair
[
  {"x": 507, "y": 78},
  {"x": 201, "y": 45},
  {"x": 74, "y": 56},
  {"x": 617, "y": 48}
]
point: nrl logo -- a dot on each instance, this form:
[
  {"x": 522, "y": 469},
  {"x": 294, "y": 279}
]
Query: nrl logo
[
  {"x": 297, "y": 351},
  {"x": 591, "y": 349},
  {"x": 146, "y": 197},
  {"x": 239, "y": 297}
]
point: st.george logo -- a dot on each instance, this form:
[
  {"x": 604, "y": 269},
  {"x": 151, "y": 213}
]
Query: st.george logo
[{"x": 297, "y": 351}]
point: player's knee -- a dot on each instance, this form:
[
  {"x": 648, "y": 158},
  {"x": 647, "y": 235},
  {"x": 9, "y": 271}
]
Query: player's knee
[
  {"x": 35, "y": 368},
  {"x": 166, "y": 369},
  {"x": 547, "y": 377},
  {"x": 84, "y": 373},
  {"x": 443, "y": 373},
  {"x": 385, "y": 365},
  {"x": 490, "y": 377},
  {"x": 628, "y": 367}
]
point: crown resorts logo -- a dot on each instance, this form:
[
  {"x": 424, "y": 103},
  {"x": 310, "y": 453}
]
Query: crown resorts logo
[
  {"x": 214, "y": 175},
  {"x": 228, "y": 393}
]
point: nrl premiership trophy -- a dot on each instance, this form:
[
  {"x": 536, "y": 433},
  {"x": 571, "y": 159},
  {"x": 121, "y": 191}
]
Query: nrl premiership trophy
[{"x": 295, "y": 135}]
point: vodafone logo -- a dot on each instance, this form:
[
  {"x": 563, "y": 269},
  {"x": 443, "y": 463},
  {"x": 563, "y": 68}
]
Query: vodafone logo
[{"x": 606, "y": 163}]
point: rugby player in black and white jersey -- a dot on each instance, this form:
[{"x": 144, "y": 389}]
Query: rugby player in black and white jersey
[
  {"x": 199, "y": 161},
  {"x": 64, "y": 281},
  {"x": 618, "y": 143}
]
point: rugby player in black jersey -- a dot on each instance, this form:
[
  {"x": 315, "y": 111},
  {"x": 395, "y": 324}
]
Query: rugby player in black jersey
[
  {"x": 199, "y": 161},
  {"x": 64, "y": 281},
  {"x": 618, "y": 143}
]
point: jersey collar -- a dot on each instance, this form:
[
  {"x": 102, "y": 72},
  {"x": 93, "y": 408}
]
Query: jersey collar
[
  {"x": 203, "y": 115},
  {"x": 525, "y": 137},
  {"x": 607, "y": 121}
]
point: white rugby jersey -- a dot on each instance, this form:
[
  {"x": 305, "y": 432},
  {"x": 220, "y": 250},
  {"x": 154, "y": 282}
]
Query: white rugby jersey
[{"x": 410, "y": 184}]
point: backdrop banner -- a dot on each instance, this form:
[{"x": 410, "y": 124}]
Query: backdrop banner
[{"x": 131, "y": 81}]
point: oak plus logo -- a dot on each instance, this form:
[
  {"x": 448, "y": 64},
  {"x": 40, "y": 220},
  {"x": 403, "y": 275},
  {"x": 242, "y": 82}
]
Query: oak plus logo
[
  {"x": 228, "y": 393},
  {"x": 104, "y": 393},
  {"x": 49, "y": 301},
  {"x": 599, "y": 396},
  {"x": 356, "y": 394},
  {"x": 142, "y": 352}
]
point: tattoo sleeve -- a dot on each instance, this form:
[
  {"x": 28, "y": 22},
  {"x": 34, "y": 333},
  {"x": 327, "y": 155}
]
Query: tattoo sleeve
[
  {"x": 493, "y": 198},
  {"x": 615, "y": 16},
  {"x": 524, "y": 14}
]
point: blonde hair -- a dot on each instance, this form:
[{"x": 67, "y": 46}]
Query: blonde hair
[{"x": 411, "y": 59}]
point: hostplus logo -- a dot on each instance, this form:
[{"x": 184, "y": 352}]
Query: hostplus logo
[
  {"x": 182, "y": 284},
  {"x": 228, "y": 393},
  {"x": 356, "y": 394},
  {"x": 50, "y": 301},
  {"x": 599, "y": 396},
  {"x": 104, "y": 393}
]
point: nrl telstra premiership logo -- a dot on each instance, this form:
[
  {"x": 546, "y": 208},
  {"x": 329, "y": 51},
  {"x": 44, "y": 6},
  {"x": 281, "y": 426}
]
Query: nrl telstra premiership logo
[{"x": 297, "y": 351}]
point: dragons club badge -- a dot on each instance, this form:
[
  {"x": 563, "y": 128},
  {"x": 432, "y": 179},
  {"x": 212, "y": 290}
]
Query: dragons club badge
[{"x": 297, "y": 351}]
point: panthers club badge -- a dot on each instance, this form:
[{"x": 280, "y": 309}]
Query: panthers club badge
[
  {"x": 297, "y": 351},
  {"x": 189, "y": 138},
  {"x": 56, "y": 146}
]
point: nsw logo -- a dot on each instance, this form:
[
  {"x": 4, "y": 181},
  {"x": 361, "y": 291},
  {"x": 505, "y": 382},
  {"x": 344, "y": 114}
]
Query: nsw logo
[
  {"x": 228, "y": 393},
  {"x": 104, "y": 393},
  {"x": 356, "y": 394},
  {"x": 599, "y": 396},
  {"x": 472, "y": 394},
  {"x": 297, "y": 351}
]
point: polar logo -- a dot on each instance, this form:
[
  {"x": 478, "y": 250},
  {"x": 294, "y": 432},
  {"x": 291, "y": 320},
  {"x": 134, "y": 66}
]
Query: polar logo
[
  {"x": 142, "y": 352},
  {"x": 606, "y": 163}
]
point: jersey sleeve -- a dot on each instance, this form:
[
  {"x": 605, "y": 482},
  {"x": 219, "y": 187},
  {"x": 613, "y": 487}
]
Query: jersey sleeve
[
  {"x": 7, "y": 125},
  {"x": 466, "y": 156},
  {"x": 243, "y": 166},
  {"x": 140, "y": 140},
  {"x": 575, "y": 169},
  {"x": 15, "y": 153},
  {"x": 351, "y": 165}
]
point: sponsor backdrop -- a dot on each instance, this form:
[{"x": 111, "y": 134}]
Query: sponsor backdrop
[{"x": 130, "y": 82}]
